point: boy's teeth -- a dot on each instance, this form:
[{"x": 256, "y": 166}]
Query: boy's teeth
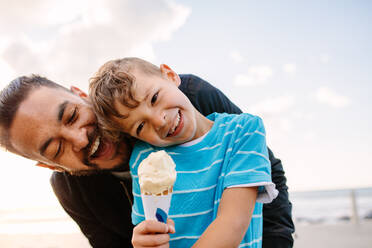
[
  {"x": 95, "y": 146},
  {"x": 175, "y": 126}
]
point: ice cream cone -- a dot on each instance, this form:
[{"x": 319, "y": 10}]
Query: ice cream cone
[
  {"x": 156, "y": 207},
  {"x": 157, "y": 175}
]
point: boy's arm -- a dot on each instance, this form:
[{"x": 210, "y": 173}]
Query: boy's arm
[
  {"x": 233, "y": 218},
  {"x": 248, "y": 166},
  {"x": 208, "y": 99}
]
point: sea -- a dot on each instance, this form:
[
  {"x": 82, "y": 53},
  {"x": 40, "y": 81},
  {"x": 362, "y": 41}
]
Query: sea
[
  {"x": 331, "y": 206},
  {"x": 310, "y": 207}
]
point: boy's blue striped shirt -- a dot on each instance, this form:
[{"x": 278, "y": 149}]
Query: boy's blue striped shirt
[{"x": 233, "y": 153}]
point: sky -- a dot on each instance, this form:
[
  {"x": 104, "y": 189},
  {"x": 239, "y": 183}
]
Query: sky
[{"x": 303, "y": 66}]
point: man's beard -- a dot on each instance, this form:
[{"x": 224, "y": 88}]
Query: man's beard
[
  {"x": 122, "y": 166},
  {"x": 119, "y": 167}
]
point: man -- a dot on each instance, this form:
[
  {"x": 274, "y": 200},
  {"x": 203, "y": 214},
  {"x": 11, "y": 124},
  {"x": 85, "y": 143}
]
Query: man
[{"x": 43, "y": 121}]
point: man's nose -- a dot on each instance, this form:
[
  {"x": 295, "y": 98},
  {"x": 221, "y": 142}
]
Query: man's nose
[{"x": 78, "y": 138}]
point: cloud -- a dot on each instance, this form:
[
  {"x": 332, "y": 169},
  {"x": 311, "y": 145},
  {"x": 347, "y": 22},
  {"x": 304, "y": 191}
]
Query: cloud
[
  {"x": 25, "y": 55},
  {"x": 256, "y": 75},
  {"x": 303, "y": 115},
  {"x": 272, "y": 105},
  {"x": 6, "y": 72},
  {"x": 310, "y": 136},
  {"x": 289, "y": 69},
  {"x": 331, "y": 98},
  {"x": 71, "y": 48},
  {"x": 236, "y": 57},
  {"x": 324, "y": 58},
  {"x": 285, "y": 124},
  {"x": 22, "y": 16}
]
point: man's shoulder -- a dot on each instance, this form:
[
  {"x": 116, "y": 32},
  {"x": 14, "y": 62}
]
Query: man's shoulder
[
  {"x": 190, "y": 78},
  {"x": 205, "y": 97},
  {"x": 196, "y": 86}
]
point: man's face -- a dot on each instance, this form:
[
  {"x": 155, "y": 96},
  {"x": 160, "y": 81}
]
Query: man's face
[
  {"x": 164, "y": 115},
  {"x": 59, "y": 128}
]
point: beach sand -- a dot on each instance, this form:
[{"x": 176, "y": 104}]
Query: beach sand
[
  {"x": 43, "y": 241},
  {"x": 340, "y": 235}
]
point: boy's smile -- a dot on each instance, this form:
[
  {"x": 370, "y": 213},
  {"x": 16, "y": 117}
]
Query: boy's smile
[
  {"x": 177, "y": 127},
  {"x": 164, "y": 115}
]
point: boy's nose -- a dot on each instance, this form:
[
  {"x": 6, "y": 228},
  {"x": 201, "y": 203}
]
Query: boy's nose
[{"x": 159, "y": 120}]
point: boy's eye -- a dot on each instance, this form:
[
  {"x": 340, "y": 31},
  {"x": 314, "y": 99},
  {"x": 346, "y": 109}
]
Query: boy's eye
[
  {"x": 154, "y": 98},
  {"x": 139, "y": 128}
]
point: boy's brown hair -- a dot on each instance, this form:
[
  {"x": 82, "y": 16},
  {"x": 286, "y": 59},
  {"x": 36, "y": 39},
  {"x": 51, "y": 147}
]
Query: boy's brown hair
[{"x": 114, "y": 81}]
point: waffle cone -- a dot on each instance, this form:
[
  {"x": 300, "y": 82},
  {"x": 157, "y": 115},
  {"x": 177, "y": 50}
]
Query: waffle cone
[{"x": 156, "y": 206}]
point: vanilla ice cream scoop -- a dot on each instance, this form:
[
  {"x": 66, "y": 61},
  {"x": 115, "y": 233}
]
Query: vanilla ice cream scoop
[{"x": 157, "y": 173}]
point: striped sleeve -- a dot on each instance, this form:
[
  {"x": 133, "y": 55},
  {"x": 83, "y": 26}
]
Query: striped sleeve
[{"x": 249, "y": 164}]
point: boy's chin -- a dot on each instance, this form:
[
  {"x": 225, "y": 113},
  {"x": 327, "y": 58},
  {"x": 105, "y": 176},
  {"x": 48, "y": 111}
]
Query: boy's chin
[{"x": 170, "y": 143}]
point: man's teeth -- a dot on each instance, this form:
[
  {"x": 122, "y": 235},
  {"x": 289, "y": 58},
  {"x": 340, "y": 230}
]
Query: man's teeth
[
  {"x": 176, "y": 124},
  {"x": 95, "y": 146}
]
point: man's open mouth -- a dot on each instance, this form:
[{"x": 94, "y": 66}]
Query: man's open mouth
[
  {"x": 101, "y": 148},
  {"x": 177, "y": 125},
  {"x": 95, "y": 146}
]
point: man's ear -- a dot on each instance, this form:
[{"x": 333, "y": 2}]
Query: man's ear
[
  {"x": 169, "y": 74},
  {"x": 79, "y": 92},
  {"x": 55, "y": 168}
]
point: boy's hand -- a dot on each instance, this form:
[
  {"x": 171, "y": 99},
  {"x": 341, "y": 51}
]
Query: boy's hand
[{"x": 152, "y": 233}]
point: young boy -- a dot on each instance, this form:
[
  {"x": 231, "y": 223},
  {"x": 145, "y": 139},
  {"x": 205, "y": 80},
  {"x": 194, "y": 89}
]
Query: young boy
[{"x": 223, "y": 170}]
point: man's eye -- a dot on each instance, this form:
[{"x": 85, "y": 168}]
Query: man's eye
[
  {"x": 73, "y": 117},
  {"x": 139, "y": 128},
  {"x": 58, "y": 150},
  {"x": 154, "y": 98}
]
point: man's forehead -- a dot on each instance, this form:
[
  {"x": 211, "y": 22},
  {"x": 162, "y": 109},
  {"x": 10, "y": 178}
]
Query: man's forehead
[{"x": 53, "y": 95}]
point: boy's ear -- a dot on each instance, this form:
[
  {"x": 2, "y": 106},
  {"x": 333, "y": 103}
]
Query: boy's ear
[
  {"x": 169, "y": 74},
  {"x": 41, "y": 164},
  {"x": 79, "y": 92}
]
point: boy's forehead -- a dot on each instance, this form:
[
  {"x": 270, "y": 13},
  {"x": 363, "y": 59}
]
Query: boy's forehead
[{"x": 142, "y": 86}]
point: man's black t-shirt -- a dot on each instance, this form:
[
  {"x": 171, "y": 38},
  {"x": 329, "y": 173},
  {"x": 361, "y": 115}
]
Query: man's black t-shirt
[{"x": 101, "y": 204}]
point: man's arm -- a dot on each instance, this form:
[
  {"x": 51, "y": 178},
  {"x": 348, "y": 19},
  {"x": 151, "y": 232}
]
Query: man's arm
[
  {"x": 233, "y": 218},
  {"x": 98, "y": 205}
]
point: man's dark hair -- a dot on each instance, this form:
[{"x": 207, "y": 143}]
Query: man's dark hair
[{"x": 10, "y": 99}]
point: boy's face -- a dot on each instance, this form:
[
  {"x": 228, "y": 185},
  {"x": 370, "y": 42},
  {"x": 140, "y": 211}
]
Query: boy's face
[{"x": 164, "y": 116}]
